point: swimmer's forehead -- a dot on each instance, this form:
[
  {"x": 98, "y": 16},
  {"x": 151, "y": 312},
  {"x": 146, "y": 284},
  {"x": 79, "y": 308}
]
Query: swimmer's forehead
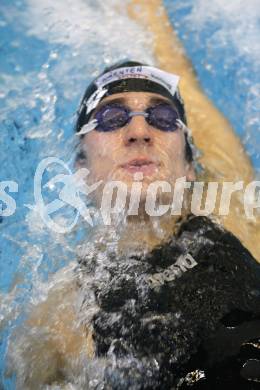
[{"x": 135, "y": 98}]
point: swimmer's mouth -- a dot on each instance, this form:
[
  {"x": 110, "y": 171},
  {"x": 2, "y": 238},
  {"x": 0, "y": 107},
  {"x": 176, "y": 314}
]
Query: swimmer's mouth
[{"x": 140, "y": 165}]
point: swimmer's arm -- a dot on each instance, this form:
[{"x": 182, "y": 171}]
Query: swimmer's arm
[{"x": 43, "y": 350}]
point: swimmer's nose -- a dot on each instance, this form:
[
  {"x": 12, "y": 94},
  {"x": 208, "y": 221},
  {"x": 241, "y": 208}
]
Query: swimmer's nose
[{"x": 138, "y": 131}]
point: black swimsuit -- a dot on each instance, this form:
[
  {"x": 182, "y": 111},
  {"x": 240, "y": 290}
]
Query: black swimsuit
[{"x": 186, "y": 316}]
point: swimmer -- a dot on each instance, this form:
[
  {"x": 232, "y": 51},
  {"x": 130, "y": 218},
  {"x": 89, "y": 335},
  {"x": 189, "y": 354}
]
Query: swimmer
[{"x": 156, "y": 302}]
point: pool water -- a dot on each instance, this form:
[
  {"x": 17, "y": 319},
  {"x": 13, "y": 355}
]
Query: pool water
[
  {"x": 221, "y": 38},
  {"x": 50, "y": 52}
]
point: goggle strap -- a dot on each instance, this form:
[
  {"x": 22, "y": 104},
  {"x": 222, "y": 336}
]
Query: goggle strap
[
  {"x": 195, "y": 152},
  {"x": 88, "y": 127}
]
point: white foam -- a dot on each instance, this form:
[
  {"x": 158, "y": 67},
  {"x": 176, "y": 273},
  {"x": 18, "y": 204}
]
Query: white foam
[
  {"x": 78, "y": 23},
  {"x": 238, "y": 20}
]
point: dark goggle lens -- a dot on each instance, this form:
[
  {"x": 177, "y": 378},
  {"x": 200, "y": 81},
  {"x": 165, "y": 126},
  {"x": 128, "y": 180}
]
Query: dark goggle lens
[
  {"x": 112, "y": 117},
  {"x": 163, "y": 117}
]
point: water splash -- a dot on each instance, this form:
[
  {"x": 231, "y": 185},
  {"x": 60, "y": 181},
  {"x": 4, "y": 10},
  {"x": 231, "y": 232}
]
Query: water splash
[
  {"x": 222, "y": 40},
  {"x": 51, "y": 51}
]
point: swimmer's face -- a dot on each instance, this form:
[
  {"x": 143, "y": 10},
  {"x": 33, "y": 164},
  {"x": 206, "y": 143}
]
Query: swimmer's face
[{"x": 136, "y": 147}]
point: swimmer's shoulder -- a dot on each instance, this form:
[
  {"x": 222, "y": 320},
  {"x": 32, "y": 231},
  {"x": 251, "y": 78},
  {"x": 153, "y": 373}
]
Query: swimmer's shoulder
[
  {"x": 52, "y": 337},
  {"x": 58, "y": 299}
]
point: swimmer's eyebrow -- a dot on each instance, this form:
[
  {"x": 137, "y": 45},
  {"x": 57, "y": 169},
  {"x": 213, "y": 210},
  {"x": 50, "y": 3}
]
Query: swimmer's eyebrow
[
  {"x": 116, "y": 100},
  {"x": 156, "y": 100},
  {"x": 123, "y": 100}
]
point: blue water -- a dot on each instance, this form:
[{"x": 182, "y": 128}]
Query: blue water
[
  {"x": 222, "y": 40},
  {"x": 49, "y": 53}
]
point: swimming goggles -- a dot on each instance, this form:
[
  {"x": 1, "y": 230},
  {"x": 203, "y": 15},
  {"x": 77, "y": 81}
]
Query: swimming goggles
[{"x": 113, "y": 116}]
